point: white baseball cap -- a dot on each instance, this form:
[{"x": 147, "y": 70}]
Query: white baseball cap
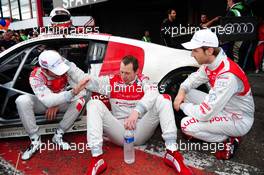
[
  {"x": 53, "y": 61},
  {"x": 202, "y": 38}
]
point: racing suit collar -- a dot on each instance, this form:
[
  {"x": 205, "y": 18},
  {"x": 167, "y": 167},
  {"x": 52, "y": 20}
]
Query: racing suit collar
[
  {"x": 44, "y": 72},
  {"x": 46, "y": 75},
  {"x": 218, "y": 60},
  {"x": 131, "y": 82}
]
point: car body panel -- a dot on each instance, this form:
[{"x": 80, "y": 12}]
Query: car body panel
[
  {"x": 114, "y": 54},
  {"x": 159, "y": 60},
  {"x": 94, "y": 36}
]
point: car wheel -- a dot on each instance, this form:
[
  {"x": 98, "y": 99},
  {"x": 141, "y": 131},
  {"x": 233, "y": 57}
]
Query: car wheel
[{"x": 170, "y": 84}]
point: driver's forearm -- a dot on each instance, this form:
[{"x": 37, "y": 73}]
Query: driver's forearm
[
  {"x": 195, "y": 80},
  {"x": 182, "y": 91},
  {"x": 99, "y": 84},
  {"x": 55, "y": 99}
]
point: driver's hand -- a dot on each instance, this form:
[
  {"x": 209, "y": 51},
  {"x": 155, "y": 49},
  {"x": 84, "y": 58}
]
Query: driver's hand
[
  {"x": 51, "y": 113},
  {"x": 81, "y": 85},
  {"x": 179, "y": 99},
  {"x": 131, "y": 122}
]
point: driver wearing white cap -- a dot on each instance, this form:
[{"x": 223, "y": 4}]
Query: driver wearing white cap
[
  {"x": 227, "y": 112},
  {"x": 49, "y": 82}
]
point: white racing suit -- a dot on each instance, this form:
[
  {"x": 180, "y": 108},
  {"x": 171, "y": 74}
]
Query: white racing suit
[
  {"x": 138, "y": 95},
  {"x": 51, "y": 92},
  {"x": 228, "y": 109}
]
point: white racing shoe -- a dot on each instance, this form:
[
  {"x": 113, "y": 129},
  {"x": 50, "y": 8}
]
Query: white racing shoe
[
  {"x": 33, "y": 148},
  {"x": 57, "y": 139}
]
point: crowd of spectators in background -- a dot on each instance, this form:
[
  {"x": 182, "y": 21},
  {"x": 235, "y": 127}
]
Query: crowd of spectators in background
[{"x": 10, "y": 38}]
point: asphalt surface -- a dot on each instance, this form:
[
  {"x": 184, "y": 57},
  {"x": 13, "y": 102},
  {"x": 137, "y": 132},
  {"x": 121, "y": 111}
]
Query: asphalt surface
[{"x": 251, "y": 150}]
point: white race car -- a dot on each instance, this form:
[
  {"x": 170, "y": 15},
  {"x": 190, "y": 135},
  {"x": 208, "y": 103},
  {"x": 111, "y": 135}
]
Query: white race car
[{"x": 97, "y": 54}]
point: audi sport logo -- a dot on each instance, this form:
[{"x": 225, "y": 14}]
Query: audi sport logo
[
  {"x": 44, "y": 63},
  {"x": 239, "y": 28}
]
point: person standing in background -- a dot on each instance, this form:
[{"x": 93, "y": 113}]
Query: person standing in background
[
  {"x": 166, "y": 28},
  {"x": 205, "y": 23},
  {"x": 146, "y": 37},
  {"x": 23, "y": 36},
  {"x": 7, "y": 41},
  {"x": 237, "y": 8},
  {"x": 259, "y": 51}
]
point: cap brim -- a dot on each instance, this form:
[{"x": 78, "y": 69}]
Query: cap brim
[
  {"x": 61, "y": 69},
  {"x": 191, "y": 45}
]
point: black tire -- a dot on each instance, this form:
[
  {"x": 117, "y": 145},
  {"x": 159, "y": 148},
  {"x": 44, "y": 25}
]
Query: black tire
[{"x": 170, "y": 84}]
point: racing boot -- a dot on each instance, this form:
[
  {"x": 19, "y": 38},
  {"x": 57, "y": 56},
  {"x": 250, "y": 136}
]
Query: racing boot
[
  {"x": 33, "y": 147},
  {"x": 57, "y": 139},
  {"x": 175, "y": 160},
  {"x": 231, "y": 145},
  {"x": 97, "y": 166}
]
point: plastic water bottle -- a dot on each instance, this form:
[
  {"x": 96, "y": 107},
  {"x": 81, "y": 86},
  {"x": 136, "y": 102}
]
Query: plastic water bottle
[{"x": 129, "y": 150}]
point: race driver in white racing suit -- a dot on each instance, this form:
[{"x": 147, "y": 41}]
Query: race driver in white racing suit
[
  {"x": 135, "y": 105},
  {"x": 227, "y": 112},
  {"x": 49, "y": 83}
]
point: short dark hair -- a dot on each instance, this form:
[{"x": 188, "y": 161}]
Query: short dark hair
[
  {"x": 131, "y": 59},
  {"x": 216, "y": 50},
  {"x": 170, "y": 10}
]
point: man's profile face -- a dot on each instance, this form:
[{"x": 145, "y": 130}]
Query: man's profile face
[
  {"x": 146, "y": 33},
  {"x": 127, "y": 73},
  {"x": 203, "y": 18},
  {"x": 200, "y": 55},
  {"x": 173, "y": 15},
  {"x": 229, "y": 3}
]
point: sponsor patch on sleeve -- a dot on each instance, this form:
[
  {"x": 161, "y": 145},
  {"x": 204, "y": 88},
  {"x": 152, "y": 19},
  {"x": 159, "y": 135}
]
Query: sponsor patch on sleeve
[{"x": 222, "y": 82}]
